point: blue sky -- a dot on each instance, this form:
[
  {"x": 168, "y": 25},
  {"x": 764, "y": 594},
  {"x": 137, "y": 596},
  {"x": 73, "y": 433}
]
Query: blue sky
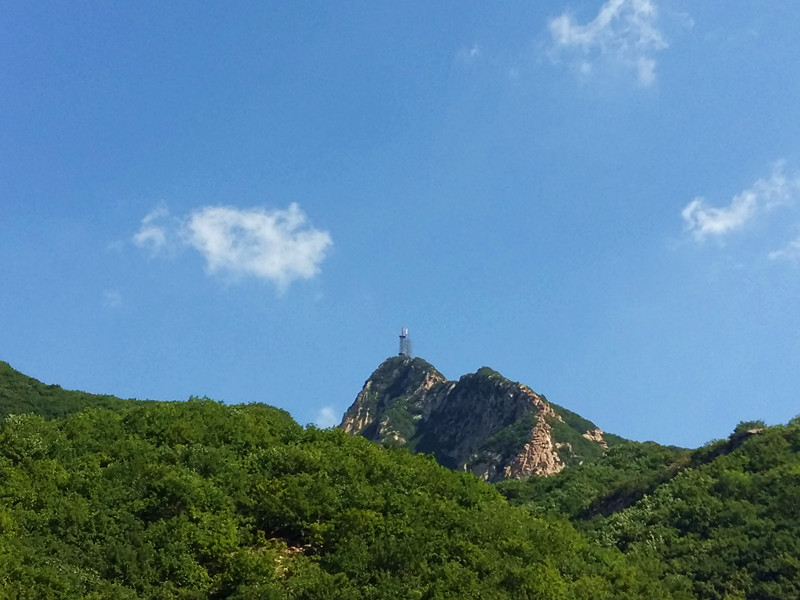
[{"x": 249, "y": 200}]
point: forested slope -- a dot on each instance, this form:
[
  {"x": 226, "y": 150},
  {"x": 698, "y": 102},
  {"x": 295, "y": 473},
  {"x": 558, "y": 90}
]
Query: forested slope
[
  {"x": 201, "y": 500},
  {"x": 726, "y": 517},
  {"x": 20, "y": 394}
]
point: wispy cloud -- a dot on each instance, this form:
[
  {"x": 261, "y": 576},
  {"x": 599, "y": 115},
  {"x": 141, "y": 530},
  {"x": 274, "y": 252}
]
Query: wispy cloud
[
  {"x": 790, "y": 251},
  {"x": 704, "y": 221},
  {"x": 326, "y": 417},
  {"x": 624, "y": 33},
  {"x": 153, "y": 233},
  {"x": 277, "y": 245}
]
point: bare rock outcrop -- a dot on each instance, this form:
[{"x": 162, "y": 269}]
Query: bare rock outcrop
[
  {"x": 539, "y": 456},
  {"x": 482, "y": 423},
  {"x": 596, "y": 435},
  {"x": 397, "y": 380},
  {"x": 359, "y": 415}
]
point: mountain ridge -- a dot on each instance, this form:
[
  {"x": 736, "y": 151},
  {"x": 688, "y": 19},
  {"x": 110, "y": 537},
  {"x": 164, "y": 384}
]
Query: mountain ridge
[{"x": 483, "y": 422}]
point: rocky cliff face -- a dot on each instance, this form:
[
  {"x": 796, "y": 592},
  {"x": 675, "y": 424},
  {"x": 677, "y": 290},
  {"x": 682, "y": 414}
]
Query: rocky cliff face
[{"x": 483, "y": 422}]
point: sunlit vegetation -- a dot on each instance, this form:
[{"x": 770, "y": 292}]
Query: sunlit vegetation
[
  {"x": 20, "y": 394},
  {"x": 157, "y": 500},
  {"x": 725, "y": 518},
  {"x": 197, "y": 500}
]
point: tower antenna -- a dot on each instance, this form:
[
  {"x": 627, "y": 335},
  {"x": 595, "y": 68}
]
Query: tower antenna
[{"x": 405, "y": 342}]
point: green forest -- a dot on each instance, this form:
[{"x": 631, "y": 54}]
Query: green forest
[{"x": 107, "y": 498}]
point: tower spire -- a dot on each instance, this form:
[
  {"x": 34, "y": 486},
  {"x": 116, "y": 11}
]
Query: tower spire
[{"x": 405, "y": 342}]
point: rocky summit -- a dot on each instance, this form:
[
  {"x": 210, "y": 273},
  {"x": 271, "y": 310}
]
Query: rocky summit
[{"x": 484, "y": 423}]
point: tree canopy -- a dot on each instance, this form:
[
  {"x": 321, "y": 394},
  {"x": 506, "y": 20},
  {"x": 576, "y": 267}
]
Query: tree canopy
[
  {"x": 104, "y": 498},
  {"x": 202, "y": 500}
]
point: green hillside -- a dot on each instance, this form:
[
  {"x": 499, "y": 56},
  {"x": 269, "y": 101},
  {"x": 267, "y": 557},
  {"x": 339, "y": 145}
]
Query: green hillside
[
  {"x": 201, "y": 500},
  {"x": 725, "y": 517},
  {"x": 20, "y": 394},
  {"x": 190, "y": 500},
  {"x": 619, "y": 478}
]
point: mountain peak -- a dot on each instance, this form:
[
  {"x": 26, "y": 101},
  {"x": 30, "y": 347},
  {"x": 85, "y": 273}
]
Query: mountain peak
[
  {"x": 391, "y": 390},
  {"x": 484, "y": 422}
]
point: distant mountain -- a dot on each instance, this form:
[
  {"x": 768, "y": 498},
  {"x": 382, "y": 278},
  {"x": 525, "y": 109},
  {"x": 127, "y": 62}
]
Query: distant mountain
[
  {"x": 20, "y": 394},
  {"x": 484, "y": 423}
]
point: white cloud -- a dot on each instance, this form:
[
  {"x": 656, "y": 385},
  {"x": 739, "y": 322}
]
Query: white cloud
[
  {"x": 153, "y": 234},
  {"x": 624, "y": 32},
  {"x": 703, "y": 221},
  {"x": 326, "y": 417},
  {"x": 276, "y": 245}
]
